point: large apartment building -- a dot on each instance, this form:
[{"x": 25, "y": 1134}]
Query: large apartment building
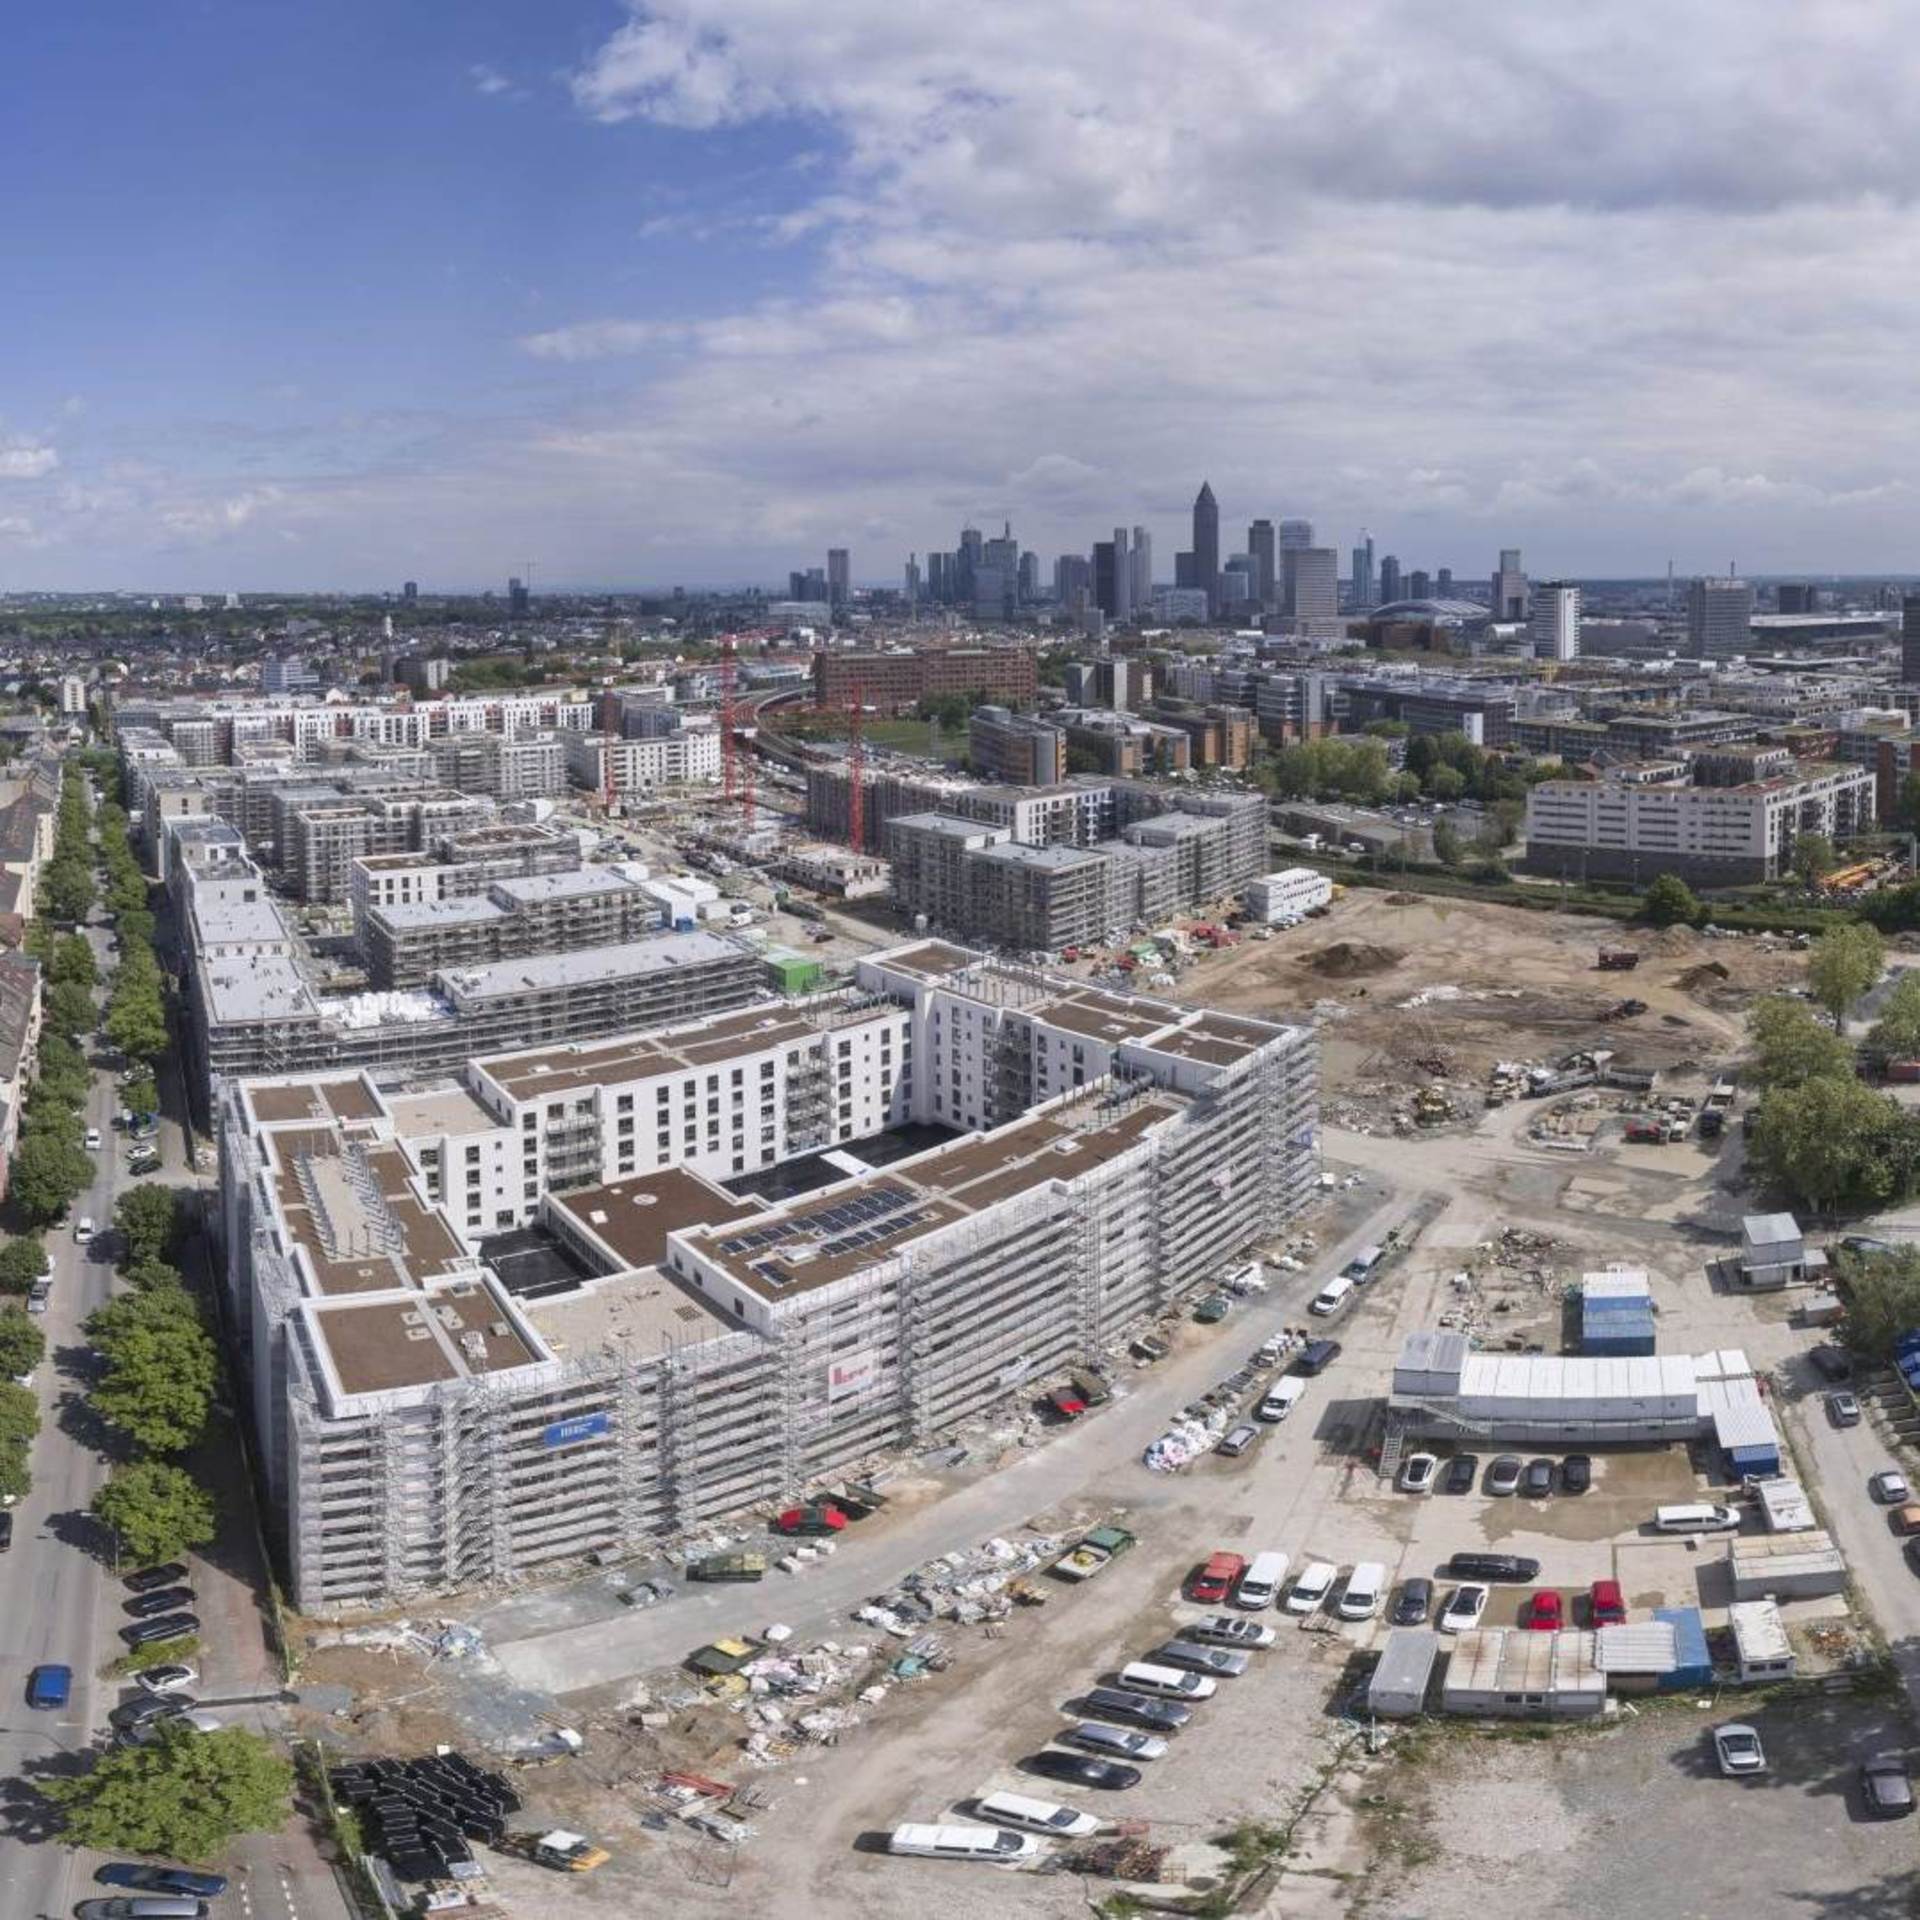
[
  {"x": 496, "y": 1323},
  {"x": 896, "y": 682},
  {"x": 642, "y": 764},
  {"x": 1623, "y": 828}
]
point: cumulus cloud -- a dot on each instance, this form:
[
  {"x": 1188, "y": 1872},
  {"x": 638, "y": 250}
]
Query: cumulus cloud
[
  {"x": 595, "y": 340},
  {"x": 491, "y": 83},
  {"x": 25, "y": 460}
]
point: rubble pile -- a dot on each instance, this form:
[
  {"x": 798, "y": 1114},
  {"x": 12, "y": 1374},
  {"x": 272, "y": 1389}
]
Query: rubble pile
[
  {"x": 969, "y": 1586},
  {"x": 1185, "y": 1441}
]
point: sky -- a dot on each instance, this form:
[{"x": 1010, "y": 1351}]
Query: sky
[{"x": 684, "y": 293}]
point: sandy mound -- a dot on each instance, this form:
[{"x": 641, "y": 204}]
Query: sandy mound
[
  {"x": 1709, "y": 973},
  {"x": 1345, "y": 959}
]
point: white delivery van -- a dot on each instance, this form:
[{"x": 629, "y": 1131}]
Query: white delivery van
[
  {"x": 1332, "y": 1296},
  {"x": 1261, "y": 1583},
  {"x": 1365, "y": 1586},
  {"x": 1697, "y": 1517},
  {"x": 1038, "y": 1816},
  {"x": 1169, "y": 1682},
  {"x": 998, "y": 1846},
  {"x": 1315, "y": 1583},
  {"x": 1281, "y": 1399}
]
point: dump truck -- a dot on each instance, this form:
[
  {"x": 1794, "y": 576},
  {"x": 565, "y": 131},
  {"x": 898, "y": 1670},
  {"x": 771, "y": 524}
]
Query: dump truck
[
  {"x": 729, "y": 1566},
  {"x": 1094, "y": 1552},
  {"x": 1618, "y": 959}
]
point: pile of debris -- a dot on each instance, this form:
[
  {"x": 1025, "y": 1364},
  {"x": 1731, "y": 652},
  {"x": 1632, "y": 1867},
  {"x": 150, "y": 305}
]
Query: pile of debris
[
  {"x": 1126, "y": 1856},
  {"x": 1185, "y": 1441},
  {"x": 969, "y": 1586}
]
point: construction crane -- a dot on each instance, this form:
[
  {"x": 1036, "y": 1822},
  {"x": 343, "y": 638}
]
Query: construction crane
[
  {"x": 856, "y": 771},
  {"x": 736, "y": 769}
]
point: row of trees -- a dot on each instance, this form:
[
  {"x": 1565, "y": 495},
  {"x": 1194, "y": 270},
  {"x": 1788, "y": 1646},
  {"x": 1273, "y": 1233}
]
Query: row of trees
[{"x": 66, "y": 887}]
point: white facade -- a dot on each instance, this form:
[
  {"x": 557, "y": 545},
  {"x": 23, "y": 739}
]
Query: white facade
[
  {"x": 639, "y": 766},
  {"x": 1555, "y": 621},
  {"x": 1288, "y": 895}
]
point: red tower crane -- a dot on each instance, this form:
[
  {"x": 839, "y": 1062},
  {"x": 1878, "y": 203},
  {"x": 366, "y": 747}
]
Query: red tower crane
[{"x": 856, "y": 772}]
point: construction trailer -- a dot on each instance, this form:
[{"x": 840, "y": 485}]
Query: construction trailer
[
  {"x": 1516, "y": 1673},
  {"x": 1399, "y": 1685}
]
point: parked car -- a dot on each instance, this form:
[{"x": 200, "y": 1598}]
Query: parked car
[
  {"x": 1081, "y": 1770},
  {"x": 1317, "y": 1356},
  {"x": 1414, "y": 1604},
  {"x": 1418, "y": 1475},
  {"x": 93, "y": 1139},
  {"x": 1462, "y": 1612},
  {"x": 1606, "y": 1604},
  {"x": 83, "y": 1227},
  {"x": 1213, "y": 1309},
  {"x": 143, "y": 1606},
  {"x": 1503, "y": 1476},
  {"x": 1462, "y": 1470},
  {"x": 1229, "y": 1632},
  {"x": 818, "y": 1517},
  {"x": 1237, "y": 1440},
  {"x": 1137, "y": 1709},
  {"x": 1888, "y": 1487},
  {"x": 1101, "y": 1738},
  {"x": 1538, "y": 1481},
  {"x": 172, "y": 1626},
  {"x": 1211, "y": 1583},
  {"x": 1843, "y": 1409},
  {"x": 1196, "y": 1657},
  {"x": 148, "y": 1578},
  {"x": 1544, "y": 1612},
  {"x": 1886, "y": 1786},
  {"x": 1831, "y": 1363},
  {"x": 172, "y": 1677},
  {"x": 1737, "y": 1750},
  {"x": 149, "y": 1879},
  {"x": 1576, "y": 1473},
  {"x": 1493, "y": 1566}
]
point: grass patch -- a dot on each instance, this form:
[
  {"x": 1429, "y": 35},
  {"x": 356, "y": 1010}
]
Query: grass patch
[{"x": 162, "y": 1653}]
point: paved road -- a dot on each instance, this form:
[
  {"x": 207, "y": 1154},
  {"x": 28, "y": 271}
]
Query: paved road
[{"x": 576, "y": 1658}]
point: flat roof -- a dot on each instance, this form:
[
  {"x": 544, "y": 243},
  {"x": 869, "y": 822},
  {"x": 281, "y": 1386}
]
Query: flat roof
[
  {"x": 932, "y": 961},
  {"x": 632, "y": 1218},
  {"x": 538, "y": 972},
  {"x": 461, "y": 909},
  {"x": 458, "y": 1332},
  {"x": 531, "y": 887},
  {"x": 449, "y": 1109}
]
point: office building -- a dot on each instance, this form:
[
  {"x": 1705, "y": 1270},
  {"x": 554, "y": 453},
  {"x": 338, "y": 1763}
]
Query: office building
[
  {"x": 1310, "y": 583},
  {"x": 839, "y": 580},
  {"x": 1509, "y": 587},
  {"x": 1206, "y": 547},
  {"x": 519, "y": 599},
  {"x": 897, "y": 681},
  {"x": 1910, "y": 640},
  {"x": 1555, "y": 621},
  {"x": 1140, "y": 554},
  {"x": 1419, "y": 584},
  {"x": 1364, "y": 598},
  {"x": 288, "y": 675},
  {"x": 1263, "y": 549},
  {"x": 1443, "y": 585},
  {"x": 1389, "y": 579},
  {"x": 1100, "y": 740},
  {"x": 498, "y": 1324},
  {"x": 1295, "y": 533},
  {"x": 1015, "y": 748},
  {"x": 1797, "y": 596},
  {"x": 1073, "y": 582},
  {"x": 1719, "y": 617}
]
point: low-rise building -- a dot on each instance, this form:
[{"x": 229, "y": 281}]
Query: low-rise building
[{"x": 1516, "y": 1673}]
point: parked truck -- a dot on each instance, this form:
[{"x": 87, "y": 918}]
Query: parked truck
[
  {"x": 1618, "y": 959},
  {"x": 1095, "y": 1552}
]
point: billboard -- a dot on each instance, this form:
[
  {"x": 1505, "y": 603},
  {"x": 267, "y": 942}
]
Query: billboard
[
  {"x": 852, "y": 1374},
  {"x": 583, "y": 1426}
]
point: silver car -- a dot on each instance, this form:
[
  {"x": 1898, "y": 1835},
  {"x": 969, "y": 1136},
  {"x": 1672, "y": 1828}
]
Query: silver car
[
  {"x": 1238, "y": 1440},
  {"x": 1737, "y": 1750},
  {"x": 1195, "y": 1658},
  {"x": 1097, "y": 1737}
]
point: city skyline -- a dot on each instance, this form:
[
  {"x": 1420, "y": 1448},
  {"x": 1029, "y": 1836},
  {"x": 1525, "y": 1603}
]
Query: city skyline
[{"x": 682, "y": 293}]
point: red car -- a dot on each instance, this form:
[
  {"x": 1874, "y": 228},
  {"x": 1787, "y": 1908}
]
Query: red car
[
  {"x": 1607, "y": 1603},
  {"x": 820, "y": 1518},
  {"x": 1210, "y": 1584},
  {"x": 1068, "y": 1403},
  {"x": 1542, "y": 1612}
]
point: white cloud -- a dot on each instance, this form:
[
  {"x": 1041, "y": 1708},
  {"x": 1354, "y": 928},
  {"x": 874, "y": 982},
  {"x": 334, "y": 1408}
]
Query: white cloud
[
  {"x": 491, "y": 82},
  {"x": 25, "y": 460},
  {"x": 596, "y": 340}
]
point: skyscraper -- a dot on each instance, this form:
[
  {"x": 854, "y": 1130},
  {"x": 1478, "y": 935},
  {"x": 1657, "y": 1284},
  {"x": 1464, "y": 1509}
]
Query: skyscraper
[
  {"x": 1122, "y": 608},
  {"x": 1555, "y": 621},
  {"x": 971, "y": 552},
  {"x": 1509, "y": 600},
  {"x": 1389, "y": 579},
  {"x": 1443, "y": 588},
  {"x": 939, "y": 584},
  {"x": 519, "y": 600},
  {"x": 1106, "y": 588},
  {"x": 910, "y": 583},
  {"x": 1142, "y": 555},
  {"x": 839, "y": 579},
  {"x": 1310, "y": 582},
  {"x": 1072, "y": 582},
  {"x": 409, "y": 591},
  {"x": 1720, "y": 618},
  {"x": 1363, "y": 595},
  {"x": 1206, "y": 546},
  {"x": 1029, "y": 577},
  {"x": 1264, "y": 547},
  {"x": 1295, "y": 533},
  {"x": 1419, "y": 584}
]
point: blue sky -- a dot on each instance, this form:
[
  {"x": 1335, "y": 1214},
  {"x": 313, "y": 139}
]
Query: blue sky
[{"x": 334, "y": 295}]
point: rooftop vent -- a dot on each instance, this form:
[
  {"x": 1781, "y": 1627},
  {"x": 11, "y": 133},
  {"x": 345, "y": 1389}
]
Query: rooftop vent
[{"x": 419, "y": 1333}]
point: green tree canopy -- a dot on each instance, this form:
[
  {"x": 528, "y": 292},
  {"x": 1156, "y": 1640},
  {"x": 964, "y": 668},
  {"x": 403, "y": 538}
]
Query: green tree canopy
[
  {"x": 22, "y": 1262},
  {"x": 1792, "y": 1045},
  {"x": 1447, "y": 847},
  {"x": 22, "y": 1345},
  {"x": 184, "y": 1795},
  {"x": 1833, "y": 1142},
  {"x": 159, "y": 1382},
  {"x": 72, "y": 959},
  {"x": 1883, "y": 1298},
  {"x": 48, "y": 1173},
  {"x": 1896, "y": 1034},
  {"x": 1669, "y": 902},
  {"x": 69, "y": 1006},
  {"x": 1812, "y": 856},
  {"x": 1845, "y": 962},
  {"x": 148, "y": 1219},
  {"x": 159, "y": 1511}
]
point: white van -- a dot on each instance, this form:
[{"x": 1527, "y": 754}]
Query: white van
[
  {"x": 1039, "y": 1816},
  {"x": 1281, "y": 1399},
  {"x": 1261, "y": 1583},
  {"x": 1144, "y": 1677},
  {"x": 1698, "y": 1517},
  {"x": 998, "y": 1846},
  {"x": 1315, "y": 1583},
  {"x": 1332, "y": 1296},
  {"x": 1365, "y": 1586}
]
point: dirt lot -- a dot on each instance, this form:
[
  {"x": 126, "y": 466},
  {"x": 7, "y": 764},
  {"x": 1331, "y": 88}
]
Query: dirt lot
[{"x": 1409, "y": 990}]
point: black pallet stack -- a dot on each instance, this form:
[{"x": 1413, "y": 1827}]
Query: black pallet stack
[{"x": 420, "y": 1815}]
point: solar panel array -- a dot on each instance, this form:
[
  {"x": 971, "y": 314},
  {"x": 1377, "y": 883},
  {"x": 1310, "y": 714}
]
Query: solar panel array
[{"x": 858, "y": 1220}]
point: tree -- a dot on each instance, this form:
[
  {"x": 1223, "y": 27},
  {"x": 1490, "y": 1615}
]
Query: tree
[
  {"x": 146, "y": 1276},
  {"x": 1812, "y": 856},
  {"x": 1896, "y": 1034},
  {"x": 22, "y": 1345},
  {"x": 158, "y": 1511},
  {"x": 1845, "y": 962},
  {"x": 1447, "y": 783},
  {"x": 72, "y": 959},
  {"x": 184, "y": 1795},
  {"x": 1448, "y": 848},
  {"x": 47, "y": 1175},
  {"x": 1883, "y": 1298},
  {"x": 22, "y": 1262},
  {"x": 159, "y": 1381},
  {"x": 130, "y": 1313},
  {"x": 148, "y": 1219},
  {"x": 1669, "y": 902},
  {"x": 1792, "y": 1046},
  {"x": 1834, "y": 1142},
  {"x": 69, "y": 1006}
]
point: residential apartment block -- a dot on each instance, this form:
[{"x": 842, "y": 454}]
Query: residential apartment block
[
  {"x": 896, "y": 682},
  {"x": 642, "y": 764},
  {"x": 498, "y": 1323}
]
